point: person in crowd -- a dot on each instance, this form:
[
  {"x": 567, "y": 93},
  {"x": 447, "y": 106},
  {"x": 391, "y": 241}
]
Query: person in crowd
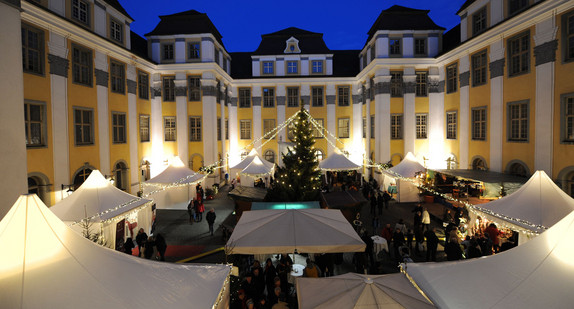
[
  {"x": 281, "y": 303},
  {"x": 418, "y": 219},
  {"x": 447, "y": 217},
  {"x": 239, "y": 302},
  {"x": 250, "y": 304},
  {"x": 373, "y": 203},
  {"x": 410, "y": 235},
  {"x": 249, "y": 287},
  {"x": 161, "y": 246},
  {"x": 148, "y": 247},
  {"x": 473, "y": 249},
  {"x": 425, "y": 220},
  {"x": 419, "y": 239},
  {"x": 129, "y": 246},
  {"x": 191, "y": 211},
  {"x": 258, "y": 280},
  {"x": 494, "y": 235},
  {"x": 210, "y": 218},
  {"x": 432, "y": 244},
  {"x": 485, "y": 244},
  {"x": 405, "y": 256},
  {"x": 273, "y": 296},
  {"x": 141, "y": 238},
  {"x": 380, "y": 203},
  {"x": 270, "y": 273},
  {"x": 398, "y": 241},
  {"x": 376, "y": 224},
  {"x": 199, "y": 193},
  {"x": 386, "y": 199},
  {"x": 311, "y": 270},
  {"x": 401, "y": 226},
  {"x": 387, "y": 233},
  {"x": 453, "y": 250}
]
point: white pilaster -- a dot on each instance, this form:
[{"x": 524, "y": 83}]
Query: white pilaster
[
  {"x": 234, "y": 157},
  {"x": 382, "y": 46},
  {"x": 464, "y": 114},
  {"x": 222, "y": 124},
  {"x": 304, "y": 66},
  {"x": 182, "y": 119},
  {"x": 496, "y": 109},
  {"x": 331, "y": 116},
  {"x": 280, "y": 67},
  {"x": 409, "y": 134},
  {"x": 256, "y": 121},
  {"x": 433, "y": 46},
  {"x": 127, "y": 36},
  {"x": 180, "y": 50},
  {"x": 156, "y": 120},
  {"x": 357, "y": 150},
  {"x": 207, "y": 50},
  {"x": 382, "y": 116},
  {"x": 329, "y": 65},
  {"x": 155, "y": 50},
  {"x": 57, "y": 6},
  {"x": 408, "y": 45},
  {"x": 100, "y": 25},
  {"x": 209, "y": 85},
  {"x": 281, "y": 91},
  {"x": 133, "y": 132},
  {"x": 436, "y": 119},
  {"x": 463, "y": 28},
  {"x": 101, "y": 63},
  {"x": 255, "y": 68},
  {"x": 496, "y": 11}
]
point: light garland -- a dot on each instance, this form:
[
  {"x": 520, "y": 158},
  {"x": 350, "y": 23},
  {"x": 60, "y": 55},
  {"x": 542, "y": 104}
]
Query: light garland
[
  {"x": 226, "y": 283},
  {"x": 98, "y": 215}
]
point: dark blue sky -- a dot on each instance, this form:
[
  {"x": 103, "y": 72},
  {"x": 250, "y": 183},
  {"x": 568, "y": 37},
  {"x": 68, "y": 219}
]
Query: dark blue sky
[{"x": 242, "y": 22}]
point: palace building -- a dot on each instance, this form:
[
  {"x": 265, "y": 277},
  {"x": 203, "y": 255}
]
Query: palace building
[{"x": 494, "y": 93}]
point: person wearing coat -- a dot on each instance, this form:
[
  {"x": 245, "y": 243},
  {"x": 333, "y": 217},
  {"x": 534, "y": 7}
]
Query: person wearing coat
[
  {"x": 425, "y": 220},
  {"x": 161, "y": 246},
  {"x": 141, "y": 239},
  {"x": 210, "y": 217}
]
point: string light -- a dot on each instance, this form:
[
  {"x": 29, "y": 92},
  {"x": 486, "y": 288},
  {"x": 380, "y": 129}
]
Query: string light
[{"x": 226, "y": 284}]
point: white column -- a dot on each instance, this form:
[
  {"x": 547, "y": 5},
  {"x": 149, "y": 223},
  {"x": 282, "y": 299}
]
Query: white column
[
  {"x": 223, "y": 105},
  {"x": 409, "y": 134},
  {"x": 156, "y": 120},
  {"x": 382, "y": 46},
  {"x": 433, "y": 46},
  {"x": 57, "y": 6},
  {"x": 496, "y": 105},
  {"x": 127, "y": 35},
  {"x": 234, "y": 156},
  {"x": 209, "y": 86},
  {"x": 12, "y": 134},
  {"x": 368, "y": 115},
  {"x": 207, "y": 50},
  {"x": 357, "y": 149},
  {"x": 133, "y": 128},
  {"x": 436, "y": 118},
  {"x": 382, "y": 115},
  {"x": 182, "y": 116},
  {"x": 58, "y": 57},
  {"x": 304, "y": 66},
  {"x": 281, "y": 98},
  {"x": 255, "y": 68},
  {"x": 496, "y": 12},
  {"x": 545, "y": 53},
  {"x": 180, "y": 50},
  {"x": 100, "y": 19},
  {"x": 155, "y": 50},
  {"x": 256, "y": 118},
  {"x": 101, "y": 64},
  {"x": 408, "y": 45},
  {"x": 464, "y": 112},
  {"x": 280, "y": 67},
  {"x": 463, "y": 27},
  {"x": 331, "y": 115},
  {"x": 305, "y": 98},
  {"x": 329, "y": 65}
]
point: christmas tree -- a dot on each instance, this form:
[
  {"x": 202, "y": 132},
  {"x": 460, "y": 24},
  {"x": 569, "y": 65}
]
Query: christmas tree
[{"x": 299, "y": 179}]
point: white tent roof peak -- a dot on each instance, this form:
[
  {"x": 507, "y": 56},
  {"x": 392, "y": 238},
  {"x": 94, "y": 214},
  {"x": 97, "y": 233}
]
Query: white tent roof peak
[
  {"x": 257, "y": 168},
  {"x": 253, "y": 154},
  {"x": 408, "y": 167},
  {"x": 47, "y": 265},
  {"x": 176, "y": 172},
  {"x": 176, "y": 161},
  {"x": 539, "y": 202},
  {"x": 337, "y": 162}
]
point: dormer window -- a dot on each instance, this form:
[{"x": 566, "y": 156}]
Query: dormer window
[
  {"x": 168, "y": 51},
  {"x": 116, "y": 30},
  {"x": 292, "y": 67},
  {"x": 479, "y": 21},
  {"x": 193, "y": 51},
  {"x": 395, "y": 47},
  {"x": 292, "y": 46},
  {"x": 267, "y": 67},
  {"x": 317, "y": 66},
  {"x": 81, "y": 11}
]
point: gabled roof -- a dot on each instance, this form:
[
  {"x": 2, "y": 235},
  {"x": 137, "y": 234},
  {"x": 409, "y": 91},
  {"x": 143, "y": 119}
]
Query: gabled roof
[
  {"x": 116, "y": 5},
  {"x": 188, "y": 22},
  {"x": 346, "y": 63},
  {"x": 275, "y": 43},
  {"x": 403, "y": 18}
]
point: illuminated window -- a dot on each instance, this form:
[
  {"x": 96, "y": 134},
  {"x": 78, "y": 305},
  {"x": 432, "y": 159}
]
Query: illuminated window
[
  {"x": 343, "y": 95},
  {"x": 316, "y": 131},
  {"x": 292, "y": 96},
  {"x": 194, "y": 88},
  {"x": 117, "y": 77},
  {"x": 82, "y": 65},
  {"x": 268, "y": 97},
  {"x": 268, "y": 126},
  {"x": 83, "y": 126},
  {"x": 34, "y": 117},
  {"x": 479, "y": 123},
  {"x": 119, "y": 128},
  {"x": 451, "y": 78},
  {"x": 421, "y": 84},
  {"x": 421, "y": 125},
  {"x": 517, "y": 121},
  {"x": 244, "y": 97},
  {"x": 396, "y": 84},
  {"x": 194, "y": 129},
  {"x": 269, "y": 155},
  {"x": 343, "y": 127},
  {"x": 32, "y": 50},
  {"x": 245, "y": 129},
  {"x": 144, "y": 128},
  {"x": 451, "y": 125},
  {"x": 169, "y": 129},
  {"x": 397, "y": 126}
]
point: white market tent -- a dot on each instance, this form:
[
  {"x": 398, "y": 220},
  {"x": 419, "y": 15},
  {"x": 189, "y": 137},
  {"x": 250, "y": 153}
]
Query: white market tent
[
  {"x": 252, "y": 167},
  {"x": 47, "y": 265},
  {"x": 537, "y": 274},
  {"x": 537, "y": 205},
  {"x": 178, "y": 182},
  {"x": 336, "y": 162},
  {"x": 294, "y": 230},
  {"x": 353, "y": 290},
  {"x": 105, "y": 206},
  {"x": 407, "y": 168}
]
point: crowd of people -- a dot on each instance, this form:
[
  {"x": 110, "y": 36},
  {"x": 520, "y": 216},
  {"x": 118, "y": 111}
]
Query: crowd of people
[{"x": 147, "y": 246}]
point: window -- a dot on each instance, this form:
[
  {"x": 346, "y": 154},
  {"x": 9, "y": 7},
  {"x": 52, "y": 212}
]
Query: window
[
  {"x": 224, "y": 64},
  {"x": 421, "y": 125},
  {"x": 343, "y": 95},
  {"x": 269, "y": 156},
  {"x": 168, "y": 52},
  {"x": 119, "y": 128},
  {"x": 395, "y": 47},
  {"x": 144, "y": 128},
  {"x": 396, "y": 126},
  {"x": 267, "y": 67},
  {"x": 34, "y": 117},
  {"x": 245, "y": 129},
  {"x": 317, "y": 66},
  {"x": 421, "y": 84},
  {"x": 116, "y": 29},
  {"x": 516, "y": 6},
  {"x": 451, "y": 78},
  {"x": 372, "y": 52},
  {"x": 364, "y": 127},
  {"x": 194, "y": 85},
  {"x": 218, "y": 129},
  {"x": 568, "y": 37},
  {"x": 32, "y": 50},
  {"x": 372, "y": 126},
  {"x": 195, "y": 129},
  {"x": 479, "y": 21},
  {"x": 479, "y": 69},
  {"x": 268, "y": 126},
  {"x": 83, "y": 120},
  {"x": 169, "y": 129},
  {"x": 568, "y": 118},
  {"x": 82, "y": 65},
  {"x": 169, "y": 88},
  {"x": 268, "y": 97},
  {"x": 317, "y": 129},
  {"x": 396, "y": 84},
  {"x": 479, "y": 123},
  {"x": 519, "y": 54},
  {"x": 292, "y": 67},
  {"x": 216, "y": 56},
  {"x": 292, "y": 97},
  {"x": 194, "y": 50},
  {"x": 518, "y": 121},
  {"x": 420, "y": 47},
  {"x": 343, "y": 127},
  {"x": 118, "y": 77},
  {"x": 81, "y": 11},
  {"x": 319, "y": 155},
  {"x": 451, "y": 125},
  {"x": 226, "y": 129},
  {"x": 143, "y": 85},
  {"x": 364, "y": 60},
  {"x": 316, "y": 96},
  {"x": 244, "y": 97}
]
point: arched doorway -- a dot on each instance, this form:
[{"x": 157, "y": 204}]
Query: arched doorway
[
  {"x": 81, "y": 175},
  {"x": 319, "y": 155},
  {"x": 396, "y": 159},
  {"x": 566, "y": 180},
  {"x": 121, "y": 175},
  {"x": 269, "y": 155},
  {"x": 479, "y": 164},
  {"x": 146, "y": 171},
  {"x": 570, "y": 184},
  {"x": 518, "y": 168},
  {"x": 451, "y": 162},
  {"x": 39, "y": 184},
  {"x": 196, "y": 162}
]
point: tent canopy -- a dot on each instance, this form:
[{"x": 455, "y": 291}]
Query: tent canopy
[
  {"x": 537, "y": 274},
  {"x": 96, "y": 196},
  {"x": 176, "y": 172},
  {"x": 294, "y": 230},
  {"x": 257, "y": 168},
  {"x": 352, "y": 290},
  {"x": 408, "y": 167},
  {"x": 47, "y": 265},
  {"x": 337, "y": 162},
  {"x": 538, "y": 202},
  {"x": 250, "y": 157}
]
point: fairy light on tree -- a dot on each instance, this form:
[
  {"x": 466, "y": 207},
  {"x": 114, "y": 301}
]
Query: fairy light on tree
[{"x": 300, "y": 176}]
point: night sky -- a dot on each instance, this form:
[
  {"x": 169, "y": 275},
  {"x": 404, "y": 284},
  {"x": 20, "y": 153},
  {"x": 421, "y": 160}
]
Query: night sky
[{"x": 242, "y": 22}]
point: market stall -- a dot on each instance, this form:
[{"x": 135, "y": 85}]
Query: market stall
[
  {"x": 395, "y": 179},
  {"x": 98, "y": 208},
  {"x": 45, "y": 264},
  {"x": 537, "y": 274},
  {"x": 478, "y": 183},
  {"x": 174, "y": 187},
  {"x": 260, "y": 168},
  {"x": 353, "y": 290}
]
